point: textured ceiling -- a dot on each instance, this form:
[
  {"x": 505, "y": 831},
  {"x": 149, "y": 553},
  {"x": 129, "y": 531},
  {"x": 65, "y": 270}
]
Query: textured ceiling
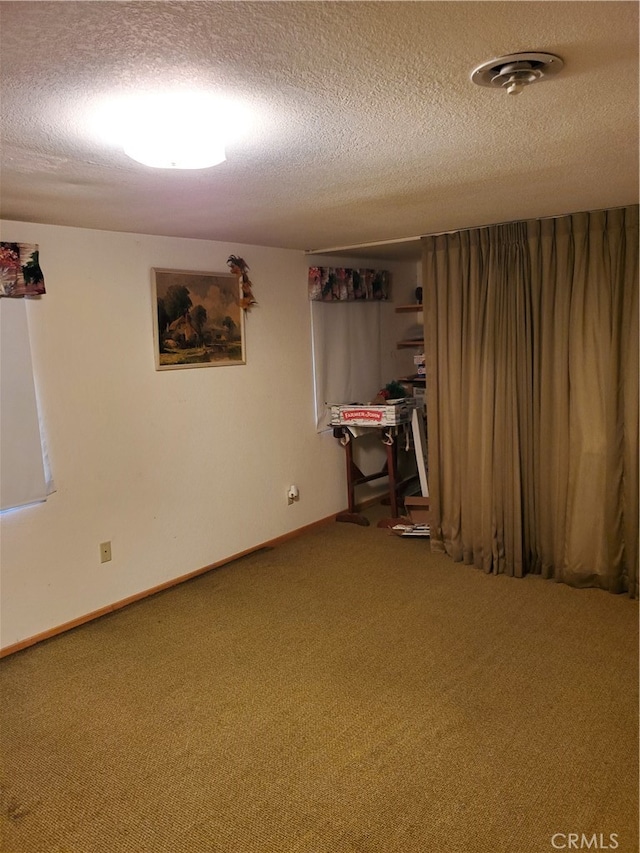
[{"x": 367, "y": 127}]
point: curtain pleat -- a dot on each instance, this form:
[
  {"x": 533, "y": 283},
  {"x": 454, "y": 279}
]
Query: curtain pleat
[{"x": 532, "y": 396}]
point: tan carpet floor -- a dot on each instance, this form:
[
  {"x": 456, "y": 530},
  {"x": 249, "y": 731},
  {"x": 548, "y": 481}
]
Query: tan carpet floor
[{"x": 345, "y": 692}]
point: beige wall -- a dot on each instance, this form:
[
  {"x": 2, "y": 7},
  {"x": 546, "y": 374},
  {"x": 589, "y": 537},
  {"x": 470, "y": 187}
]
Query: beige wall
[{"x": 178, "y": 469}]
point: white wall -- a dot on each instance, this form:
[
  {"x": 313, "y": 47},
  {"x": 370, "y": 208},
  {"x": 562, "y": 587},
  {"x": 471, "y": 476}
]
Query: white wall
[{"x": 178, "y": 469}]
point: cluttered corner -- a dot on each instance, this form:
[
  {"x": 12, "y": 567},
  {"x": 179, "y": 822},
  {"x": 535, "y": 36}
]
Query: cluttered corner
[{"x": 399, "y": 421}]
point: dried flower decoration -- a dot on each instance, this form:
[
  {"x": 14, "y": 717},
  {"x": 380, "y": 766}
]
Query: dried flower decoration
[{"x": 239, "y": 267}]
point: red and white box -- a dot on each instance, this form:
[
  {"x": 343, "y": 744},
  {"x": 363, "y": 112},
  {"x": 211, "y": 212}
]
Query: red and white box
[{"x": 393, "y": 413}]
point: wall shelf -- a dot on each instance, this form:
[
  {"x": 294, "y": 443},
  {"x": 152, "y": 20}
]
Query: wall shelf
[
  {"x": 406, "y": 309},
  {"x": 414, "y": 342}
]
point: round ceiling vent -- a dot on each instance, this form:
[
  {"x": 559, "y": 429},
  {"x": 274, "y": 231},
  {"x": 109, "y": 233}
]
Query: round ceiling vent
[{"x": 517, "y": 70}]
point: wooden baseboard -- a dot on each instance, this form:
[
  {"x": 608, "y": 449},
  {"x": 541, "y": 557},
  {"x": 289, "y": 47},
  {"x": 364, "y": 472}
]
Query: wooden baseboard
[{"x": 111, "y": 608}]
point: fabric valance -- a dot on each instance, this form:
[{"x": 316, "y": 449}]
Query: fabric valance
[
  {"x": 20, "y": 273},
  {"x": 342, "y": 284}
]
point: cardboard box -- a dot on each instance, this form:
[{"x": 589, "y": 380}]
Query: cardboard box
[
  {"x": 418, "y": 509},
  {"x": 391, "y": 414}
]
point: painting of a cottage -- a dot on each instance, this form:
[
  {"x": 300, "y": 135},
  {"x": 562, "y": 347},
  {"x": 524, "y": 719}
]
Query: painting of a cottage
[{"x": 198, "y": 321}]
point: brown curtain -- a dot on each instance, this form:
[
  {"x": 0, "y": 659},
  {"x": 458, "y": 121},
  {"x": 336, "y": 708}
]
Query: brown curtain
[{"x": 532, "y": 397}]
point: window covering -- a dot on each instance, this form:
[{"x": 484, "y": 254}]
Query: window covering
[
  {"x": 344, "y": 284},
  {"x": 22, "y": 473},
  {"x": 532, "y": 397},
  {"x": 20, "y": 273}
]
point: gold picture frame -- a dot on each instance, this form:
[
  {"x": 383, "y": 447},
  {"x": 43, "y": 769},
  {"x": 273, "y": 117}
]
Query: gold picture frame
[{"x": 197, "y": 319}]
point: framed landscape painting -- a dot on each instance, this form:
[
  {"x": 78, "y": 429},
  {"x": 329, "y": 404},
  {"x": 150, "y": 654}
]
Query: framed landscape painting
[{"x": 198, "y": 321}]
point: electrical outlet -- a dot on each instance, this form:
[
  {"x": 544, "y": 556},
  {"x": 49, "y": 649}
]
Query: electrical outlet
[{"x": 105, "y": 552}]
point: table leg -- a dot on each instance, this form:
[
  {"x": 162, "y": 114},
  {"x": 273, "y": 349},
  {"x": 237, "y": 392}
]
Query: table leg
[
  {"x": 392, "y": 470},
  {"x": 354, "y": 474}
]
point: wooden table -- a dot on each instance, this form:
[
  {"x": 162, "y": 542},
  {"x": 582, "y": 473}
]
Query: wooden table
[{"x": 355, "y": 477}]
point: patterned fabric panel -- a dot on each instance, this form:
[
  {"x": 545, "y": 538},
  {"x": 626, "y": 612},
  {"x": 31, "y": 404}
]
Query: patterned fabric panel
[
  {"x": 20, "y": 273},
  {"x": 341, "y": 284}
]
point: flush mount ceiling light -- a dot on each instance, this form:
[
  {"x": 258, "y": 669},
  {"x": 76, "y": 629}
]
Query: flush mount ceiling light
[
  {"x": 174, "y": 130},
  {"x": 516, "y": 70}
]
